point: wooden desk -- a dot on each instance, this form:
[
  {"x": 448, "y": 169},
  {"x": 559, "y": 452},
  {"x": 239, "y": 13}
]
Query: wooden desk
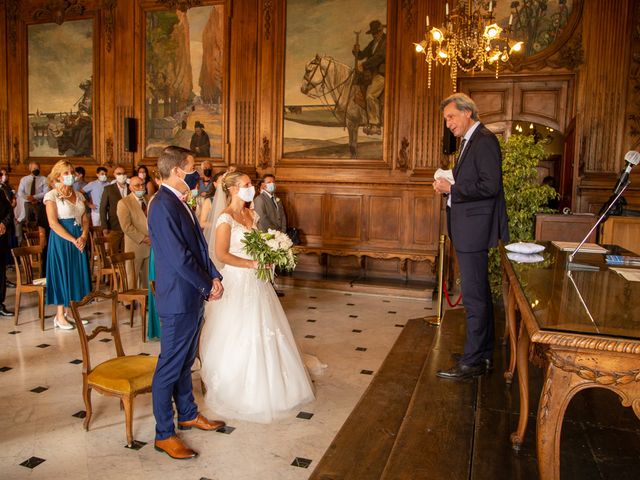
[
  {"x": 623, "y": 231},
  {"x": 568, "y": 228},
  {"x": 584, "y": 328}
]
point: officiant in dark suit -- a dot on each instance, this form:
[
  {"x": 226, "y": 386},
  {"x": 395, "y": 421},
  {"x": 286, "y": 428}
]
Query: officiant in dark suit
[
  {"x": 476, "y": 219},
  {"x": 269, "y": 207}
]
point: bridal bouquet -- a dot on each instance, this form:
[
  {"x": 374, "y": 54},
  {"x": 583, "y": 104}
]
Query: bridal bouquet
[{"x": 272, "y": 248}]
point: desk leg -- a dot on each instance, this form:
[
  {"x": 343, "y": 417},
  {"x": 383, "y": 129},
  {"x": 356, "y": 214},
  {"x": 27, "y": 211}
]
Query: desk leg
[
  {"x": 517, "y": 437},
  {"x": 511, "y": 329},
  {"x": 506, "y": 288}
]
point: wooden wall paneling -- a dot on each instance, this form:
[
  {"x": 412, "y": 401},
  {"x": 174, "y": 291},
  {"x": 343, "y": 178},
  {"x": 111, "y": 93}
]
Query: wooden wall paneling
[
  {"x": 385, "y": 220},
  {"x": 602, "y": 84},
  {"x": 423, "y": 236},
  {"x": 632, "y": 116},
  {"x": 494, "y": 98},
  {"x": 343, "y": 219},
  {"x": 16, "y": 79},
  {"x": 128, "y": 18},
  {"x": 306, "y": 212},
  {"x": 5, "y": 144},
  {"x": 544, "y": 102},
  {"x": 243, "y": 75}
]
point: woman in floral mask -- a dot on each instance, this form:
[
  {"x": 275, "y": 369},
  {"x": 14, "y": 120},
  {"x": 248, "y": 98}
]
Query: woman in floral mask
[{"x": 67, "y": 262}]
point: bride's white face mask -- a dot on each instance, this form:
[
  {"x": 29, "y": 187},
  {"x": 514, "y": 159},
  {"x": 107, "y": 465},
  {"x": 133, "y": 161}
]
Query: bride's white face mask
[{"x": 247, "y": 193}]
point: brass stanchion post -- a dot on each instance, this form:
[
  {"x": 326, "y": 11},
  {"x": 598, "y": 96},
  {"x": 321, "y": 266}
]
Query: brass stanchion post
[{"x": 437, "y": 320}]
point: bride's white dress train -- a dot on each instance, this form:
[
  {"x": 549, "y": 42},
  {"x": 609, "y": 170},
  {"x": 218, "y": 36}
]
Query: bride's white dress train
[{"x": 251, "y": 365}]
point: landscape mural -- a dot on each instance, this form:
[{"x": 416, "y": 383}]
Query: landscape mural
[{"x": 184, "y": 72}]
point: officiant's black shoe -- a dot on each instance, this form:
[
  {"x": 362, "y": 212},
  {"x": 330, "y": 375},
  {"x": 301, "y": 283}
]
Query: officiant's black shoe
[
  {"x": 201, "y": 422},
  {"x": 175, "y": 448},
  {"x": 488, "y": 363},
  {"x": 4, "y": 312},
  {"x": 462, "y": 371},
  {"x": 10, "y": 284}
]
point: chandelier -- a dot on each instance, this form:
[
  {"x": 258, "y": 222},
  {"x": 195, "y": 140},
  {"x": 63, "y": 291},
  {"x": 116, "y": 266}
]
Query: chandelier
[{"x": 469, "y": 40}]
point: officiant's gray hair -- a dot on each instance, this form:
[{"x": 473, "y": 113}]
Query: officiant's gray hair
[
  {"x": 172, "y": 157},
  {"x": 463, "y": 102}
]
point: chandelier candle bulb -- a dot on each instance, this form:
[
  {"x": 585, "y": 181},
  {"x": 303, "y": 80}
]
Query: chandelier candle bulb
[
  {"x": 510, "y": 19},
  {"x": 446, "y": 8}
]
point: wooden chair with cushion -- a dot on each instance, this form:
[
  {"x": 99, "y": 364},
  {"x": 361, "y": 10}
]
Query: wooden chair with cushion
[
  {"x": 124, "y": 376},
  {"x": 126, "y": 294},
  {"x": 103, "y": 250},
  {"x": 25, "y": 279}
]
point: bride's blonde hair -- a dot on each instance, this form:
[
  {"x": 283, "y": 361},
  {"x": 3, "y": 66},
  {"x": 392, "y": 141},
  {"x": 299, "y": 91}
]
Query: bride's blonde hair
[{"x": 230, "y": 179}]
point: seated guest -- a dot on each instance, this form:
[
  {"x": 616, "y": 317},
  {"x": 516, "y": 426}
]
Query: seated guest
[
  {"x": 80, "y": 183},
  {"x": 111, "y": 195},
  {"x": 67, "y": 261},
  {"x": 149, "y": 183},
  {"x": 6, "y": 227},
  {"x": 132, "y": 215},
  {"x": 93, "y": 191},
  {"x": 269, "y": 207}
]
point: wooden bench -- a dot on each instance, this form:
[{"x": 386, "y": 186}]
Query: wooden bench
[{"x": 362, "y": 254}]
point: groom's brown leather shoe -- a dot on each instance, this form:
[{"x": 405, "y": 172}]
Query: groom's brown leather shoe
[
  {"x": 201, "y": 422},
  {"x": 175, "y": 448}
]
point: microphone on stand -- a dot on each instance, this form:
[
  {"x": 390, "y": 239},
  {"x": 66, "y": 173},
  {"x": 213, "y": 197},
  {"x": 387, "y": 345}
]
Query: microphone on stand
[{"x": 632, "y": 158}]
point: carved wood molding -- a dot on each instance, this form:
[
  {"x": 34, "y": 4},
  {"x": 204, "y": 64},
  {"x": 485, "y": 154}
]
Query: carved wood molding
[
  {"x": 58, "y": 10},
  {"x": 16, "y": 151},
  {"x": 601, "y": 377},
  {"x": 13, "y": 13},
  {"x": 108, "y": 146},
  {"x": 109, "y": 7},
  {"x": 633, "y": 102},
  {"x": 265, "y": 153},
  {"x": 182, "y": 5},
  {"x": 381, "y": 255},
  {"x": 403, "y": 155},
  {"x": 587, "y": 343},
  {"x": 545, "y": 398},
  {"x": 407, "y": 8},
  {"x": 267, "y": 18}
]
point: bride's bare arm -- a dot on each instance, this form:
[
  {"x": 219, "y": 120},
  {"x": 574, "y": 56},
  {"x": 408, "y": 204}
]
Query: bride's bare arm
[{"x": 223, "y": 239}]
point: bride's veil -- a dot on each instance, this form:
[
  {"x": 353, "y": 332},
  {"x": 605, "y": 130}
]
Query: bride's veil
[{"x": 219, "y": 204}]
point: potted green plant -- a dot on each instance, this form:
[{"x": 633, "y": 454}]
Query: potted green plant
[{"x": 524, "y": 196}]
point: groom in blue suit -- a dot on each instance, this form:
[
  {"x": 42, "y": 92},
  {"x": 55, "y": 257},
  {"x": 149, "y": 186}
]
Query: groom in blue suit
[{"x": 185, "y": 278}]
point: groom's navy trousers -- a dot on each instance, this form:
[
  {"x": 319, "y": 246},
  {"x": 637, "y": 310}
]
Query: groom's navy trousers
[{"x": 178, "y": 348}]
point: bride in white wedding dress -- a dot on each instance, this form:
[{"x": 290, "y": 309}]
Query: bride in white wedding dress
[{"x": 251, "y": 365}]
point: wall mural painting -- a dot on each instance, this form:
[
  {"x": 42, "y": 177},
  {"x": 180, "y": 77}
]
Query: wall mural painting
[
  {"x": 537, "y": 22},
  {"x": 334, "y": 78},
  {"x": 60, "y": 81},
  {"x": 184, "y": 70}
]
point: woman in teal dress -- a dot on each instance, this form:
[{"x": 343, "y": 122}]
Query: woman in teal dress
[
  {"x": 153, "y": 321},
  {"x": 67, "y": 260}
]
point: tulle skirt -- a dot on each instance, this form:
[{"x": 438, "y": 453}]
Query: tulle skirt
[{"x": 251, "y": 365}]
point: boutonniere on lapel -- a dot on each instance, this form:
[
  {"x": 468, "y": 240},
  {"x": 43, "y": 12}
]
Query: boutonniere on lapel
[{"x": 192, "y": 199}]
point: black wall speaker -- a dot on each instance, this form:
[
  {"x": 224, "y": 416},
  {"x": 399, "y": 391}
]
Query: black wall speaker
[
  {"x": 130, "y": 134},
  {"x": 448, "y": 141}
]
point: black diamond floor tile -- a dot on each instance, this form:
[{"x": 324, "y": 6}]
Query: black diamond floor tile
[
  {"x": 312, "y": 308},
  {"x": 301, "y": 462},
  {"x": 136, "y": 445},
  {"x": 144, "y": 354},
  {"x": 226, "y": 429},
  {"x": 105, "y": 340},
  {"x": 43, "y": 345},
  {"x": 39, "y": 389},
  {"x": 311, "y": 320},
  {"x": 350, "y": 304},
  {"x": 14, "y": 332},
  {"x": 392, "y": 312},
  {"x": 80, "y": 414},
  {"x": 77, "y": 361},
  {"x": 366, "y": 372},
  {"x": 361, "y": 349},
  {"x": 32, "y": 462},
  {"x": 313, "y": 298},
  {"x": 5, "y": 369},
  {"x": 353, "y": 316},
  {"x": 386, "y": 301},
  {"x": 355, "y": 330},
  {"x": 305, "y": 415},
  {"x": 347, "y": 294},
  {"x": 309, "y": 336},
  {"x": 399, "y": 325}
]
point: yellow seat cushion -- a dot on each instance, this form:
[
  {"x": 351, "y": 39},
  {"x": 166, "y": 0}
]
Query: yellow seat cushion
[{"x": 127, "y": 374}]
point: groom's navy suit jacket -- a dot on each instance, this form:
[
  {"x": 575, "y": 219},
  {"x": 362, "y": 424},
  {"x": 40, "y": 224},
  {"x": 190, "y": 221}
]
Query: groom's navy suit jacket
[{"x": 184, "y": 271}]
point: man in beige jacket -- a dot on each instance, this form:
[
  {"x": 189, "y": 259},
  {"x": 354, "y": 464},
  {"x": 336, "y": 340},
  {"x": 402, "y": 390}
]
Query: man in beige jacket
[{"x": 132, "y": 215}]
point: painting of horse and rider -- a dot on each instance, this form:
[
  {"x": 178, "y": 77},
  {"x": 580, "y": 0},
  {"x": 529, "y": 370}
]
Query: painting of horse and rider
[
  {"x": 335, "y": 79},
  {"x": 60, "y": 89}
]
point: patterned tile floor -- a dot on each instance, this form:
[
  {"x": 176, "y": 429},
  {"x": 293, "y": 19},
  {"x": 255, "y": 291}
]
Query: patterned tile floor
[{"x": 40, "y": 391}]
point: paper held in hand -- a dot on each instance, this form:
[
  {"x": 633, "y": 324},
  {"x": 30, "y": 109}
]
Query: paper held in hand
[{"x": 444, "y": 174}]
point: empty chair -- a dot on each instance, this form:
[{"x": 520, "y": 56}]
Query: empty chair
[
  {"x": 103, "y": 250},
  {"x": 25, "y": 279},
  {"x": 124, "y": 376},
  {"x": 126, "y": 294}
]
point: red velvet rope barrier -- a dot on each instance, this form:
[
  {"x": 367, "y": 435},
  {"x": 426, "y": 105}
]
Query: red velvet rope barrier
[{"x": 446, "y": 294}]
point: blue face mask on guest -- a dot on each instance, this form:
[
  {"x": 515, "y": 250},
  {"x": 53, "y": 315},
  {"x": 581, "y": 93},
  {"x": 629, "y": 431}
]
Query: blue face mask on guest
[{"x": 192, "y": 180}]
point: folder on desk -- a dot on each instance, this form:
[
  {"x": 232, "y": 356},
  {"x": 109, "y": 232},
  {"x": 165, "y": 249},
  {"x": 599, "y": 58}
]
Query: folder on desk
[{"x": 586, "y": 248}]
